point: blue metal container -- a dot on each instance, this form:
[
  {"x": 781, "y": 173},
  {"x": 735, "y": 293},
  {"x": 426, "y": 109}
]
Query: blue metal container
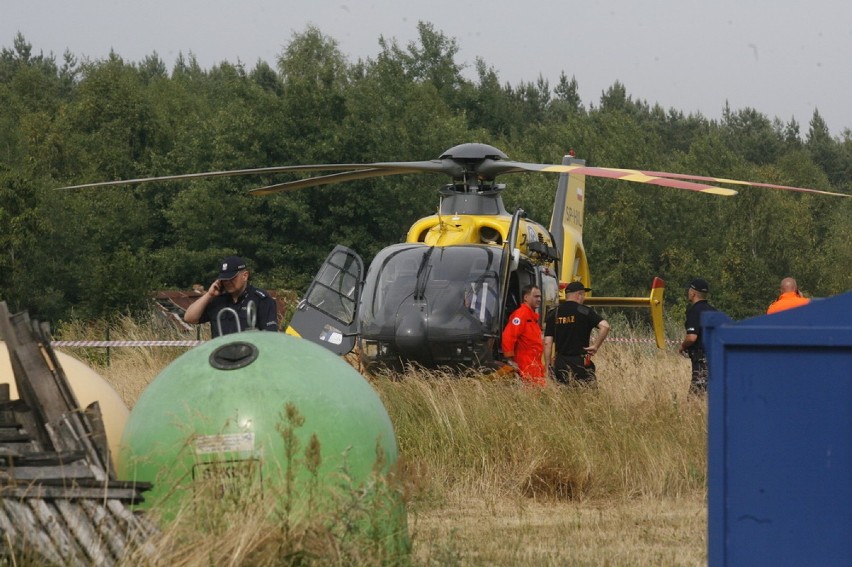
[{"x": 780, "y": 436}]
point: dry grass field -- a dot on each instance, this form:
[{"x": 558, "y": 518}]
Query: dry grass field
[{"x": 493, "y": 473}]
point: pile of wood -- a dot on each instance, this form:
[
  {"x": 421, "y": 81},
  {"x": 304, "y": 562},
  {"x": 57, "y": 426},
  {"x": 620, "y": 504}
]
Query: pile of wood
[{"x": 60, "y": 502}]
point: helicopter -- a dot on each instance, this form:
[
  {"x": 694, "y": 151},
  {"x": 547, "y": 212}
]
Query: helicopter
[{"x": 441, "y": 297}]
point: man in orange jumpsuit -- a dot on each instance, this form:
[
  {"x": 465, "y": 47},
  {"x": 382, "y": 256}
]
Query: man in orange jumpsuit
[
  {"x": 522, "y": 340},
  {"x": 790, "y": 297}
]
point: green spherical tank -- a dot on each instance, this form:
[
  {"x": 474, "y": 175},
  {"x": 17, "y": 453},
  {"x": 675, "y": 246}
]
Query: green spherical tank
[{"x": 258, "y": 408}]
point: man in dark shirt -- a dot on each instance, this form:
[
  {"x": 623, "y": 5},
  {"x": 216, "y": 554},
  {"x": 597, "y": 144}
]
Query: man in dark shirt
[
  {"x": 569, "y": 327},
  {"x": 232, "y": 304},
  {"x": 692, "y": 345}
]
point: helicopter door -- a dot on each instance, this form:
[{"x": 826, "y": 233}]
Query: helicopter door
[{"x": 328, "y": 314}]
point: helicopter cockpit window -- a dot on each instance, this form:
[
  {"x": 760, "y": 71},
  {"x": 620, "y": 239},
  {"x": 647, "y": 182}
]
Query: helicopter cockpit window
[
  {"x": 335, "y": 289},
  {"x": 456, "y": 281},
  {"x": 397, "y": 278}
]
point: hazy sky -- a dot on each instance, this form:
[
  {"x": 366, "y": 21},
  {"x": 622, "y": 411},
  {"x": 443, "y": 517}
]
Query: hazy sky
[{"x": 780, "y": 57}]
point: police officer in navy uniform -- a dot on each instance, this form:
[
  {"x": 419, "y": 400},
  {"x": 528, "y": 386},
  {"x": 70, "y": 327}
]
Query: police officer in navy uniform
[
  {"x": 232, "y": 290},
  {"x": 569, "y": 327},
  {"x": 692, "y": 346}
]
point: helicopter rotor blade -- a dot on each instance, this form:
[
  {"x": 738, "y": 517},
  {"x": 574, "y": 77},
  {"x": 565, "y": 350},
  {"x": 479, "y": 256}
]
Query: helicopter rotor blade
[
  {"x": 747, "y": 183},
  {"x": 448, "y": 167},
  {"x": 330, "y": 179},
  {"x": 636, "y": 176},
  {"x": 463, "y": 163},
  {"x": 213, "y": 174},
  {"x": 650, "y": 177}
]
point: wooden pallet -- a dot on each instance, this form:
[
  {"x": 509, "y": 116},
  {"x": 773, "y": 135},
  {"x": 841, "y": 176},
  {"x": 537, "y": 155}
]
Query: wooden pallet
[{"x": 60, "y": 502}]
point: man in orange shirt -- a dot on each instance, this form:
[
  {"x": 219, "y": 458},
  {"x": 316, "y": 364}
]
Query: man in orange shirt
[
  {"x": 522, "y": 341},
  {"x": 790, "y": 297}
]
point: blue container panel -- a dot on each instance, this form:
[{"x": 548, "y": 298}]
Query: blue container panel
[{"x": 788, "y": 496}]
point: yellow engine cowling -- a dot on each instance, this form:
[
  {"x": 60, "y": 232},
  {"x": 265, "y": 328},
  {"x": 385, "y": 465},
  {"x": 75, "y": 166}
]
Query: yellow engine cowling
[{"x": 445, "y": 230}]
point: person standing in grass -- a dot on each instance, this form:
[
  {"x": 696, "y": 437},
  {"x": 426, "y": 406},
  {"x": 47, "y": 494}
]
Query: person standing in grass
[
  {"x": 232, "y": 290},
  {"x": 790, "y": 297},
  {"x": 569, "y": 327},
  {"x": 692, "y": 346},
  {"x": 521, "y": 341}
]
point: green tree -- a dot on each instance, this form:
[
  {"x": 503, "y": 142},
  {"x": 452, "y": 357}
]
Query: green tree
[
  {"x": 566, "y": 100},
  {"x": 489, "y": 105},
  {"x": 111, "y": 121},
  {"x": 751, "y": 135},
  {"x": 824, "y": 149},
  {"x": 315, "y": 80},
  {"x": 431, "y": 59}
]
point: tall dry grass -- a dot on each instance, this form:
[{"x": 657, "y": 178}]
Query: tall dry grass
[
  {"x": 497, "y": 473},
  {"x": 507, "y": 475},
  {"x": 637, "y": 435}
]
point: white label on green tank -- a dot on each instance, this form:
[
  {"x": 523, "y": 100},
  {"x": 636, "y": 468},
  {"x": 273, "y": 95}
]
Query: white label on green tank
[{"x": 225, "y": 443}]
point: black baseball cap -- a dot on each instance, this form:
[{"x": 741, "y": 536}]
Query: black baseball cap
[
  {"x": 576, "y": 286},
  {"x": 699, "y": 285},
  {"x": 231, "y": 266}
]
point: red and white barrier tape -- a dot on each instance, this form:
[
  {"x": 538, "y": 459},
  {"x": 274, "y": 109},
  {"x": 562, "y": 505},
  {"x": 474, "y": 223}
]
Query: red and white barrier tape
[
  {"x": 105, "y": 344},
  {"x": 637, "y": 340},
  {"x": 101, "y": 344}
]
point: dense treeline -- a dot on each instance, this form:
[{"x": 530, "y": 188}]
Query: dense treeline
[{"x": 98, "y": 252}]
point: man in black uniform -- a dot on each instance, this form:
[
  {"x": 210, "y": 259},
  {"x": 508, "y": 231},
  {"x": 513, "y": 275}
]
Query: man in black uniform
[
  {"x": 232, "y": 291},
  {"x": 569, "y": 327},
  {"x": 692, "y": 345}
]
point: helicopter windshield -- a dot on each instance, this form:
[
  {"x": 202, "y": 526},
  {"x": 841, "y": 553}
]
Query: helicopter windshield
[{"x": 458, "y": 285}]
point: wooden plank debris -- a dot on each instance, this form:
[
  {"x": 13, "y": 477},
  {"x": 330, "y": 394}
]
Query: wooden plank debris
[{"x": 60, "y": 503}]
